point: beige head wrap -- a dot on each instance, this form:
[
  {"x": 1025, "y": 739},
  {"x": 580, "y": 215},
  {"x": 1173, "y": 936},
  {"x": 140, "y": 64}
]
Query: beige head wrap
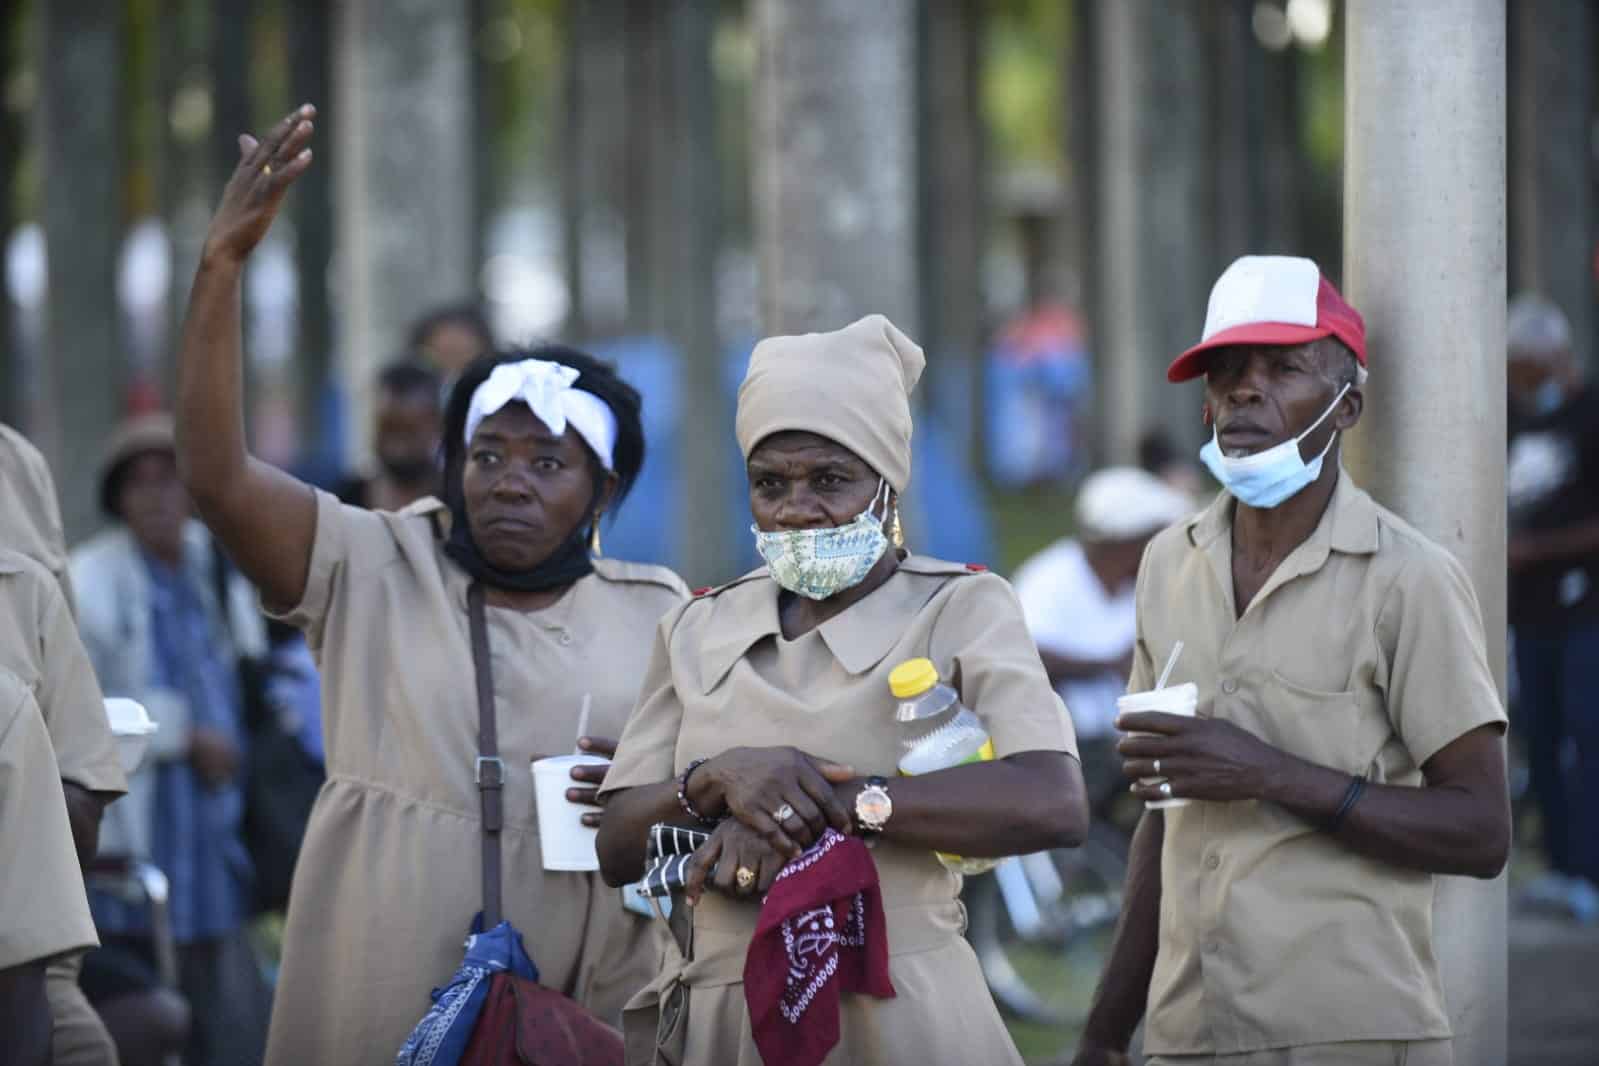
[{"x": 851, "y": 386}]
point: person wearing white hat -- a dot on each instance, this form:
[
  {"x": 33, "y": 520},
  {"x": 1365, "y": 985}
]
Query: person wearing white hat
[
  {"x": 1077, "y": 594},
  {"x": 1348, "y": 744}
]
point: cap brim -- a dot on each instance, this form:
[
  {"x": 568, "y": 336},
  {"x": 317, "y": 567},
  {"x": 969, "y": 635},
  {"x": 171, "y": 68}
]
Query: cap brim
[{"x": 1191, "y": 364}]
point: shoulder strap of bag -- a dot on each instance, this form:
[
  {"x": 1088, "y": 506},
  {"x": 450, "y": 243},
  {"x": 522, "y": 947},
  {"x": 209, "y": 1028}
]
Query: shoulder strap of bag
[{"x": 489, "y": 770}]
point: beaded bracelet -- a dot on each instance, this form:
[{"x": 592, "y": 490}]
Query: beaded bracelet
[
  {"x": 1357, "y": 785},
  {"x": 682, "y": 795}
]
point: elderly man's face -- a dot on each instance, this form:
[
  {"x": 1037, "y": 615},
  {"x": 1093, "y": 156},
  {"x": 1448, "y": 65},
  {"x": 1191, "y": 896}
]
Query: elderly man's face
[
  {"x": 805, "y": 481},
  {"x": 1261, "y": 396}
]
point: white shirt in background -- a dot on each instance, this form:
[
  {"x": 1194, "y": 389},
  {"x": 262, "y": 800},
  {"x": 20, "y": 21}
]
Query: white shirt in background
[{"x": 1070, "y": 614}]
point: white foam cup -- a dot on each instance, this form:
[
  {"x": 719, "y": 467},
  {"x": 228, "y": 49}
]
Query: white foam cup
[
  {"x": 566, "y": 842},
  {"x": 133, "y": 727},
  {"x": 1174, "y": 699}
]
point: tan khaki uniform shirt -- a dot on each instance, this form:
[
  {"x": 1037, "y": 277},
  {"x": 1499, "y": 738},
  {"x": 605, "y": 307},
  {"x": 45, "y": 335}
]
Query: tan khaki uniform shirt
[
  {"x": 1364, "y": 653},
  {"x": 389, "y": 876},
  {"x": 39, "y": 643},
  {"x": 43, "y": 909},
  {"x": 723, "y": 676},
  {"x": 30, "y": 514}
]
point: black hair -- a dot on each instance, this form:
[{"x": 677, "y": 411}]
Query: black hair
[
  {"x": 406, "y": 378},
  {"x": 468, "y": 316},
  {"x": 593, "y": 376}
]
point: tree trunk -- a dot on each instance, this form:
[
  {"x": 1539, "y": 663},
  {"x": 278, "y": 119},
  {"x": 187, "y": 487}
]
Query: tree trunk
[
  {"x": 310, "y": 31},
  {"x": 1551, "y": 202},
  {"x": 78, "y": 132},
  {"x": 1153, "y": 234},
  {"x": 690, "y": 211},
  {"x": 952, "y": 214},
  {"x": 835, "y": 158},
  {"x": 594, "y": 173},
  {"x": 404, "y": 183}
]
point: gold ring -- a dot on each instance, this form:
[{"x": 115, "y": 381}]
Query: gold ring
[
  {"x": 266, "y": 168},
  {"x": 745, "y": 878},
  {"x": 783, "y": 813}
]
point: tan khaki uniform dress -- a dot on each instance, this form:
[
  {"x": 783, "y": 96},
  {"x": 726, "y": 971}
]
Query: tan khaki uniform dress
[
  {"x": 1364, "y": 653},
  {"x": 722, "y": 676},
  {"x": 389, "y": 876},
  {"x": 30, "y": 514},
  {"x": 43, "y": 909},
  {"x": 39, "y": 643}
]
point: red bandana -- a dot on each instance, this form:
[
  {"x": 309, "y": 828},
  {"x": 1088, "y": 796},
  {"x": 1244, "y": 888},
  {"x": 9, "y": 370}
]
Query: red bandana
[{"x": 820, "y": 934}]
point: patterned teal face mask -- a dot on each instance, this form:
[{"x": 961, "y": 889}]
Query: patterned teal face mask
[{"x": 818, "y": 563}]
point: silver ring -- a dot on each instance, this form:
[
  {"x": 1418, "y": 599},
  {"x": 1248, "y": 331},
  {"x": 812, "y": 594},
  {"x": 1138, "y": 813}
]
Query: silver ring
[
  {"x": 1165, "y": 789},
  {"x": 783, "y": 813},
  {"x": 1157, "y": 767}
]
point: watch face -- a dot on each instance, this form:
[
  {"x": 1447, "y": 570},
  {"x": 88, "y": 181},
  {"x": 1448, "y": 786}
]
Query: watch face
[{"x": 872, "y": 806}]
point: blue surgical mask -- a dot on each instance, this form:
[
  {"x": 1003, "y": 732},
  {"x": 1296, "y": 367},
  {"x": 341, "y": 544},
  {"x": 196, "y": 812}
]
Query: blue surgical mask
[
  {"x": 818, "y": 563},
  {"x": 1267, "y": 478}
]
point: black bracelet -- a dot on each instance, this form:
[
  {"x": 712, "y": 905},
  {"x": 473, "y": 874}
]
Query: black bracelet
[
  {"x": 1357, "y": 785},
  {"x": 682, "y": 795}
]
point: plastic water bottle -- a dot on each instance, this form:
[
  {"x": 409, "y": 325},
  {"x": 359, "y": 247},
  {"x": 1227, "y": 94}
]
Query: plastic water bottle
[{"x": 940, "y": 733}]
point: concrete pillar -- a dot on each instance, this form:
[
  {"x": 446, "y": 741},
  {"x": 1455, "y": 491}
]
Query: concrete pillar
[
  {"x": 1153, "y": 226},
  {"x": 403, "y": 178},
  {"x": 835, "y": 162},
  {"x": 1424, "y": 246}
]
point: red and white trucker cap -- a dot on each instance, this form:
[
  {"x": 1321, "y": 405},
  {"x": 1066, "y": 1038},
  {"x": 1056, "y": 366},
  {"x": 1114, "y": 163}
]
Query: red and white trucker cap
[{"x": 1271, "y": 299}]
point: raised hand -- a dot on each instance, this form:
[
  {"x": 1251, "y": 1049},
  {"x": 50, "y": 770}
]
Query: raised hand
[{"x": 267, "y": 167}]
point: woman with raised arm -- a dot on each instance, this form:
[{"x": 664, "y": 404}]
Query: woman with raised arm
[
  {"x": 768, "y": 714},
  {"x": 539, "y": 444}
]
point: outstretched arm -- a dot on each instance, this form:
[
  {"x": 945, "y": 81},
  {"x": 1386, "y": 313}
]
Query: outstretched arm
[{"x": 264, "y": 517}]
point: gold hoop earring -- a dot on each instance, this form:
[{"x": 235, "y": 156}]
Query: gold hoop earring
[
  {"x": 594, "y": 538},
  {"x": 899, "y": 528}
]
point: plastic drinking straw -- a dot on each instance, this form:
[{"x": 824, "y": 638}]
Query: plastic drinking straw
[
  {"x": 583, "y": 718},
  {"x": 1176, "y": 650}
]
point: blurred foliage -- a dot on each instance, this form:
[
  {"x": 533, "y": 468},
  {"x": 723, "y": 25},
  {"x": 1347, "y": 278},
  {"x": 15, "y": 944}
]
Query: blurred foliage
[{"x": 1022, "y": 92}]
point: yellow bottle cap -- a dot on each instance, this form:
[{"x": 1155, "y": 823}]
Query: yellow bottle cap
[{"x": 912, "y": 677}]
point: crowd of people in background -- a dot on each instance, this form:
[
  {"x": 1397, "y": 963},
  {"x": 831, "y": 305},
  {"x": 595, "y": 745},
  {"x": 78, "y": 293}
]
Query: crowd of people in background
[{"x": 314, "y": 663}]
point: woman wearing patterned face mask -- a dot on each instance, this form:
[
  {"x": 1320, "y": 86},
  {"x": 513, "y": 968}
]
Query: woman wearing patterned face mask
[{"x": 767, "y": 713}]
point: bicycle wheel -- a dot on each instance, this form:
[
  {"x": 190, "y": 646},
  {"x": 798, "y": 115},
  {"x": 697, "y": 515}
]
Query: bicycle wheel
[{"x": 1041, "y": 927}]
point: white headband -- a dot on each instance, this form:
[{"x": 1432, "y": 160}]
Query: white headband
[{"x": 546, "y": 388}]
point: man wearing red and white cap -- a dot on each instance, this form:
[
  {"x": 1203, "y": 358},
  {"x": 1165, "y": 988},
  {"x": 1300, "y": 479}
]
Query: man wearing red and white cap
[{"x": 1349, "y": 740}]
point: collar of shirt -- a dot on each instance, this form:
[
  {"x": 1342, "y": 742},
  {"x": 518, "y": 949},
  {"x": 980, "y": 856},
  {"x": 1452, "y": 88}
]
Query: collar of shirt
[
  {"x": 1349, "y": 525},
  {"x": 745, "y": 613}
]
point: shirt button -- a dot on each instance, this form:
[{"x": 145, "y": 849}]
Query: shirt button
[
  {"x": 1212, "y": 861},
  {"x": 566, "y": 638},
  {"x": 1210, "y": 947},
  {"x": 1229, "y": 686}
]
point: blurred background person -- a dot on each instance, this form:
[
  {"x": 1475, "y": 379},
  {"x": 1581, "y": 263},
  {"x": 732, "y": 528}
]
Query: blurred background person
[
  {"x": 1552, "y": 481},
  {"x": 157, "y": 633},
  {"x": 1077, "y": 598},
  {"x": 1159, "y": 454},
  {"x": 406, "y": 424},
  {"x": 448, "y": 338}
]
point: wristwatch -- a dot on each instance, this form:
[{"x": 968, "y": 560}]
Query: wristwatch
[{"x": 873, "y": 807}]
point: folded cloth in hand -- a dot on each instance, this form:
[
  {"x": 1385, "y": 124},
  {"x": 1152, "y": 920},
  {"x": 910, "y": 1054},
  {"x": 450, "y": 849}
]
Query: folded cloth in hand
[
  {"x": 666, "y": 852},
  {"x": 820, "y": 934}
]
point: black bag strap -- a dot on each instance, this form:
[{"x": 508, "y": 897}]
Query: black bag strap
[{"x": 489, "y": 770}]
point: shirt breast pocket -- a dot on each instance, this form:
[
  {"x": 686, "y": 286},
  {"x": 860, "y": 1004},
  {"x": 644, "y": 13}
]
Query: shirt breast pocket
[{"x": 1326, "y": 728}]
